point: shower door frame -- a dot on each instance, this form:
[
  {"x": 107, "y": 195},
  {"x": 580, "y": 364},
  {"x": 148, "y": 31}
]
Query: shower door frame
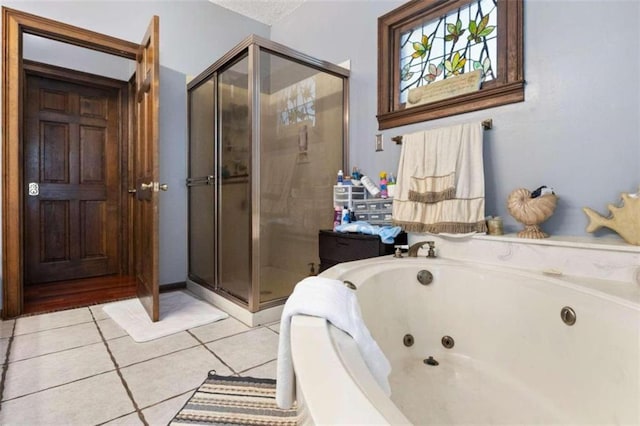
[{"x": 252, "y": 46}]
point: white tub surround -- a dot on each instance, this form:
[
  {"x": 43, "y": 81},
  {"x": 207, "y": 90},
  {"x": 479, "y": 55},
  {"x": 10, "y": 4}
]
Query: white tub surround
[
  {"x": 333, "y": 384},
  {"x": 514, "y": 360},
  {"x": 608, "y": 259}
]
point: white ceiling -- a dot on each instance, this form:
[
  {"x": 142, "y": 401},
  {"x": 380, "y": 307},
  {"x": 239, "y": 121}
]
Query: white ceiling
[{"x": 265, "y": 11}]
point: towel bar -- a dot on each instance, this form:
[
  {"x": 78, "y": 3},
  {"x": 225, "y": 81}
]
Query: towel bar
[{"x": 486, "y": 125}]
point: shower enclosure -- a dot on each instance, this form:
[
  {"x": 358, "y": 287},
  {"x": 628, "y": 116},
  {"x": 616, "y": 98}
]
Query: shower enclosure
[{"x": 267, "y": 134}]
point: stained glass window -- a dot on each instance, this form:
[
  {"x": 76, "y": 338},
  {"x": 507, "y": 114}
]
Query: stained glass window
[{"x": 461, "y": 41}]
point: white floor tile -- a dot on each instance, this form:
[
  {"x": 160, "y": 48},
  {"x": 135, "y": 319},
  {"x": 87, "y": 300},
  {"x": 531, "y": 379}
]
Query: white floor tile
[
  {"x": 54, "y": 340},
  {"x": 35, "y": 374},
  {"x": 3, "y": 349},
  {"x": 90, "y": 401},
  {"x": 275, "y": 327},
  {"x": 174, "y": 374},
  {"x": 97, "y": 311},
  {"x": 131, "y": 419},
  {"x": 110, "y": 329},
  {"x": 53, "y": 320},
  {"x": 6, "y": 328},
  {"x": 164, "y": 412},
  {"x": 126, "y": 351},
  {"x": 247, "y": 350},
  {"x": 266, "y": 371},
  {"x": 219, "y": 329}
]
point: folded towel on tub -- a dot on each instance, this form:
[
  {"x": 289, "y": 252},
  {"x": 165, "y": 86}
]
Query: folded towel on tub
[{"x": 332, "y": 300}]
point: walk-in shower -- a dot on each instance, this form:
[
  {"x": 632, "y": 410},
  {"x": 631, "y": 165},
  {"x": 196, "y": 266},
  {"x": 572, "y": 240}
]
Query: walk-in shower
[{"x": 267, "y": 134}]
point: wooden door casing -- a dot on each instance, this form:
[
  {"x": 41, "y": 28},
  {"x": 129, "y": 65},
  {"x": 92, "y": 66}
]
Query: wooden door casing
[
  {"x": 146, "y": 171},
  {"x": 72, "y": 151},
  {"x": 15, "y": 23}
]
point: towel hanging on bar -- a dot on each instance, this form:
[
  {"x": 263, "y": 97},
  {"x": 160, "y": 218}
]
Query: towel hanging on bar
[{"x": 440, "y": 186}]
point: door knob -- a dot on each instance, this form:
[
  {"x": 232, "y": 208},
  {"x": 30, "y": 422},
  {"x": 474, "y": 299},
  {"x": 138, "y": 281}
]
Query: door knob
[
  {"x": 164, "y": 187},
  {"x": 144, "y": 186},
  {"x": 132, "y": 191}
]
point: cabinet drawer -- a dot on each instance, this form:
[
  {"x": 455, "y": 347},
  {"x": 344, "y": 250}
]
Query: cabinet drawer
[{"x": 344, "y": 248}]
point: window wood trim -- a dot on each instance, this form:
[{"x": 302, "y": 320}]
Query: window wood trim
[{"x": 506, "y": 88}]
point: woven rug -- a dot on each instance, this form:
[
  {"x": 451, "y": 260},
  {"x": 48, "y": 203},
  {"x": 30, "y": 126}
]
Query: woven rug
[{"x": 229, "y": 400}]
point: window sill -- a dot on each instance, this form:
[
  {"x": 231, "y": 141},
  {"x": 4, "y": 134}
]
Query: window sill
[{"x": 486, "y": 98}]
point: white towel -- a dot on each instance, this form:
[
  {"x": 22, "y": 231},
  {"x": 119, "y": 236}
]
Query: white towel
[
  {"x": 440, "y": 186},
  {"x": 332, "y": 300}
]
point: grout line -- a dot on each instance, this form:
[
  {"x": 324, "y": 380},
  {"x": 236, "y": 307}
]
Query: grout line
[
  {"x": 212, "y": 352},
  {"x": 54, "y": 328},
  {"x": 124, "y": 382},
  {"x": 190, "y": 391},
  {"x": 54, "y": 352},
  {"x": 256, "y": 366},
  {"x": 224, "y": 337},
  {"x": 161, "y": 355},
  {"x": 5, "y": 364},
  {"x": 116, "y": 418},
  {"x": 271, "y": 329},
  {"x": 58, "y": 385}
]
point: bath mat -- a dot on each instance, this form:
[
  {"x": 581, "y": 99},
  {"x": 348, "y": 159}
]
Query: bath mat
[
  {"x": 230, "y": 400},
  {"x": 179, "y": 311}
]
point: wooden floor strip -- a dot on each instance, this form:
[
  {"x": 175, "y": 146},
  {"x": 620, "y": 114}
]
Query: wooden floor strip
[{"x": 54, "y": 296}]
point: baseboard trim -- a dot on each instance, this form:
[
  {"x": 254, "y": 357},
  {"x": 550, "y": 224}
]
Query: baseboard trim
[
  {"x": 180, "y": 285},
  {"x": 265, "y": 316}
]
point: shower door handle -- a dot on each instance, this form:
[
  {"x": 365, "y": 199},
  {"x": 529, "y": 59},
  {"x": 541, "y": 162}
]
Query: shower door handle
[{"x": 202, "y": 180}]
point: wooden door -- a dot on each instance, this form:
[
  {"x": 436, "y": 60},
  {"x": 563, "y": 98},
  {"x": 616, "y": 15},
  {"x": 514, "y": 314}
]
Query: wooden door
[
  {"x": 146, "y": 171},
  {"x": 71, "y": 174}
]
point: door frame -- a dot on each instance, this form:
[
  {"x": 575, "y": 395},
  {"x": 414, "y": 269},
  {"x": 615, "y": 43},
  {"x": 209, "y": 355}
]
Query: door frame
[{"x": 14, "y": 24}]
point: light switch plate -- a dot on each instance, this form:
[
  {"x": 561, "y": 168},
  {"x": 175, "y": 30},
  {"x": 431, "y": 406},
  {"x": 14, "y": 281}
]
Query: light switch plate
[{"x": 379, "y": 142}]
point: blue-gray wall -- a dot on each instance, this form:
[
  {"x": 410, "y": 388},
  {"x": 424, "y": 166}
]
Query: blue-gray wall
[
  {"x": 193, "y": 34},
  {"x": 578, "y": 130}
]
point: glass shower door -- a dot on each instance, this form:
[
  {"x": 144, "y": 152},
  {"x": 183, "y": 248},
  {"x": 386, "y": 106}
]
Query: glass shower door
[
  {"x": 267, "y": 129},
  {"x": 200, "y": 184},
  {"x": 301, "y": 134},
  {"x": 234, "y": 161}
]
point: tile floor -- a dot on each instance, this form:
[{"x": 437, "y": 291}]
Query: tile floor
[{"x": 78, "y": 367}]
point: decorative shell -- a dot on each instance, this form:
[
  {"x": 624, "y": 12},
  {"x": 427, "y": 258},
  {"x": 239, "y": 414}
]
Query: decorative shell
[
  {"x": 531, "y": 212},
  {"x": 625, "y": 219}
]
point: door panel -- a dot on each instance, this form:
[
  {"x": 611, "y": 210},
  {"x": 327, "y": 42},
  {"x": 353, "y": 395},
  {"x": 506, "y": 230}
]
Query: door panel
[
  {"x": 146, "y": 171},
  {"x": 72, "y": 155}
]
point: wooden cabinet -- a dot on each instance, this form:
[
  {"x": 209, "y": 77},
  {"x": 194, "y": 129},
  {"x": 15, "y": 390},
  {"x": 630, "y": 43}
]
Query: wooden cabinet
[{"x": 338, "y": 247}]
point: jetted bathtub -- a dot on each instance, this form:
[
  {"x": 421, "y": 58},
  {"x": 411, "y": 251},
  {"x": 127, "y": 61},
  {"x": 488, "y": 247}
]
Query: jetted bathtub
[{"x": 514, "y": 359}]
